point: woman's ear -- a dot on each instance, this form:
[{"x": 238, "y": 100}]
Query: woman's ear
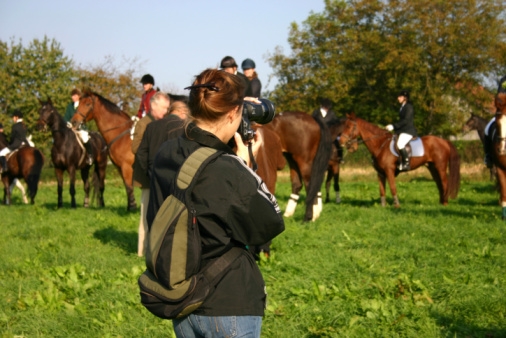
[{"x": 232, "y": 115}]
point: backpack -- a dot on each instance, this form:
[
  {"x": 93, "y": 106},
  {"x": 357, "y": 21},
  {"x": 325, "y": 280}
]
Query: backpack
[{"x": 175, "y": 284}]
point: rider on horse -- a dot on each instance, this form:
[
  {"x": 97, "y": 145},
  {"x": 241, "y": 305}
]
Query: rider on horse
[
  {"x": 18, "y": 138},
  {"x": 405, "y": 128},
  {"x": 82, "y": 133}
]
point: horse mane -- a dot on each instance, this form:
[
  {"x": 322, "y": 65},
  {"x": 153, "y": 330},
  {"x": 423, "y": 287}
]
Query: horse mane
[
  {"x": 370, "y": 126},
  {"x": 110, "y": 106}
]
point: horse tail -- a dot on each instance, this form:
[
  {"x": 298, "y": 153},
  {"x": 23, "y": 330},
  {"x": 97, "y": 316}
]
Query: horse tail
[
  {"x": 454, "y": 172},
  {"x": 32, "y": 180},
  {"x": 319, "y": 167}
]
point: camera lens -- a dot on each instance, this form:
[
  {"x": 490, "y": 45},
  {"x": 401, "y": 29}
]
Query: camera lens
[{"x": 260, "y": 113}]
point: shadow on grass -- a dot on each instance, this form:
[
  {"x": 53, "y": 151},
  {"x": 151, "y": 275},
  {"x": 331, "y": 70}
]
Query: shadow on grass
[
  {"x": 462, "y": 328},
  {"x": 125, "y": 240}
]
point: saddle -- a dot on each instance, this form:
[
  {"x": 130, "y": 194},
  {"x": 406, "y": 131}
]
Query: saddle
[{"x": 414, "y": 147}]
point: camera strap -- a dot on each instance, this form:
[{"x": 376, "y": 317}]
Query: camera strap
[{"x": 254, "y": 164}]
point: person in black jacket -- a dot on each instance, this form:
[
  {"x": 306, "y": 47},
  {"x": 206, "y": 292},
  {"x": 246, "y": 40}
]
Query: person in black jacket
[
  {"x": 328, "y": 116},
  {"x": 229, "y": 65},
  {"x": 405, "y": 128},
  {"x": 248, "y": 67},
  {"x": 233, "y": 206},
  {"x": 18, "y": 138}
]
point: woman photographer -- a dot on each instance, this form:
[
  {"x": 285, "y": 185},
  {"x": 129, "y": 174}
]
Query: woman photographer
[{"x": 233, "y": 206}]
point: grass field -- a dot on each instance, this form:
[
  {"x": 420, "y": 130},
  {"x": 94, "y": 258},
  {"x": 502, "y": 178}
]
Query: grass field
[{"x": 360, "y": 270}]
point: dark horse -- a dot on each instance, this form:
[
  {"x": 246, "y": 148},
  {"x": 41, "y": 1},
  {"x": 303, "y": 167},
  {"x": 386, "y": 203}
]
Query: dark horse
[
  {"x": 478, "y": 123},
  {"x": 25, "y": 162},
  {"x": 114, "y": 125},
  {"x": 439, "y": 155},
  {"x": 68, "y": 153},
  {"x": 306, "y": 145},
  {"x": 499, "y": 149}
]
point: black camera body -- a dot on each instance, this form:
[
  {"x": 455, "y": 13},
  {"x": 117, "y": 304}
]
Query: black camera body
[{"x": 260, "y": 113}]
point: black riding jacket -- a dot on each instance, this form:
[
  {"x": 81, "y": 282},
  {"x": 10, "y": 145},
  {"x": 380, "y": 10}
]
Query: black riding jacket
[
  {"x": 234, "y": 208},
  {"x": 406, "y": 122}
]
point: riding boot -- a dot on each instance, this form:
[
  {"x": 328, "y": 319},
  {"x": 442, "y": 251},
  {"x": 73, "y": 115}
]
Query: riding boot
[
  {"x": 89, "y": 151},
  {"x": 3, "y": 162},
  {"x": 404, "y": 160},
  {"x": 487, "y": 148}
]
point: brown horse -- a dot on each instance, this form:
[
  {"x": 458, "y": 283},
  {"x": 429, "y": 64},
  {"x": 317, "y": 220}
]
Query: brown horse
[
  {"x": 69, "y": 154},
  {"x": 306, "y": 145},
  {"x": 478, "y": 123},
  {"x": 499, "y": 151},
  {"x": 114, "y": 125},
  {"x": 439, "y": 155},
  {"x": 26, "y": 163}
]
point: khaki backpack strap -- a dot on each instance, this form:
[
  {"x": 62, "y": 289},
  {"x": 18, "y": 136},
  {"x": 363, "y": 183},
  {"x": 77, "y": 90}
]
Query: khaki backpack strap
[{"x": 191, "y": 165}]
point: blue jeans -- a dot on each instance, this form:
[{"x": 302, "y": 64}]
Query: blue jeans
[{"x": 194, "y": 326}]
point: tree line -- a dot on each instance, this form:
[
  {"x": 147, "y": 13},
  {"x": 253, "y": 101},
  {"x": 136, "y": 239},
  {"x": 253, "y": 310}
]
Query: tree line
[{"x": 360, "y": 53}]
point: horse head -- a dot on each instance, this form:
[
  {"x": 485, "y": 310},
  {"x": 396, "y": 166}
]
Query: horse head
[
  {"x": 46, "y": 111},
  {"x": 84, "y": 112},
  {"x": 350, "y": 133}
]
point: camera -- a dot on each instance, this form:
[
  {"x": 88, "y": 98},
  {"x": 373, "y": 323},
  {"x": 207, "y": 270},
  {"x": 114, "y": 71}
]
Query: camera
[{"x": 260, "y": 113}]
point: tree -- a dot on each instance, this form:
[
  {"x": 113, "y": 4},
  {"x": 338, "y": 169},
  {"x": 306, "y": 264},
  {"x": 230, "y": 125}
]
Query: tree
[
  {"x": 38, "y": 71},
  {"x": 361, "y": 53},
  {"x": 119, "y": 84}
]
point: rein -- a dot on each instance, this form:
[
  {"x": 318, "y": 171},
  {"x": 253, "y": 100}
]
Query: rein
[{"x": 349, "y": 142}]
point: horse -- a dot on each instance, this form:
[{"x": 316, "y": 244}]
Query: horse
[
  {"x": 306, "y": 145},
  {"x": 69, "y": 154},
  {"x": 439, "y": 155},
  {"x": 498, "y": 149},
  {"x": 478, "y": 123},
  {"x": 25, "y": 162},
  {"x": 115, "y": 126}
]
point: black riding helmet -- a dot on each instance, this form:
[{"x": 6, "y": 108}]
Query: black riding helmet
[
  {"x": 248, "y": 64},
  {"x": 148, "y": 79},
  {"x": 404, "y": 93}
]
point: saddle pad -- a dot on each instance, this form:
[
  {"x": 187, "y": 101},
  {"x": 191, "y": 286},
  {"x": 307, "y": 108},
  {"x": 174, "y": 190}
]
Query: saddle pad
[{"x": 416, "y": 147}]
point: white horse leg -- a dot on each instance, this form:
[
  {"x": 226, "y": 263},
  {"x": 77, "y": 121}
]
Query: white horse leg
[
  {"x": 19, "y": 185},
  {"x": 318, "y": 207},
  {"x": 338, "y": 197},
  {"x": 290, "y": 207}
]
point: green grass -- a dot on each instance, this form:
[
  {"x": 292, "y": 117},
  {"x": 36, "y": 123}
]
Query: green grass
[{"x": 360, "y": 270}]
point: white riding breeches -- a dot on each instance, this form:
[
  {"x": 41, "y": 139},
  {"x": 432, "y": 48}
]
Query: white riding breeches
[
  {"x": 4, "y": 151},
  {"x": 84, "y": 135},
  {"x": 487, "y": 127},
  {"x": 403, "y": 139}
]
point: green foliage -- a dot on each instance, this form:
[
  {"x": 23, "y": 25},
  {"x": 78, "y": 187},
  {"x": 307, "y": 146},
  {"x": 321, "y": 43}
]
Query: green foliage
[
  {"x": 118, "y": 84},
  {"x": 362, "y": 53}
]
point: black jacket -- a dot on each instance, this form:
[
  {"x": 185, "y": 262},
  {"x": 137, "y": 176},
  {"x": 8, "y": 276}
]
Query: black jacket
[
  {"x": 247, "y": 83},
  {"x": 157, "y": 132},
  {"x": 406, "y": 122},
  {"x": 18, "y": 136},
  {"x": 234, "y": 208},
  {"x": 256, "y": 87}
]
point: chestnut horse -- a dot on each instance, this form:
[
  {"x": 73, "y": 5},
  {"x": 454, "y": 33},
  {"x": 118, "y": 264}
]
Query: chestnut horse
[
  {"x": 478, "y": 123},
  {"x": 439, "y": 155},
  {"x": 114, "y": 125},
  {"x": 499, "y": 151},
  {"x": 25, "y": 162},
  {"x": 69, "y": 154},
  {"x": 306, "y": 145}
]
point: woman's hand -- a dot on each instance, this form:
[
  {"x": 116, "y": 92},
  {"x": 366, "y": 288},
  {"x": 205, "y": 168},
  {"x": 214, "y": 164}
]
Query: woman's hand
[{"x": 242, "y": 147}]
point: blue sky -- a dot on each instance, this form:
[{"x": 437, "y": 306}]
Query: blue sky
[{"x": 173, "y": 40}]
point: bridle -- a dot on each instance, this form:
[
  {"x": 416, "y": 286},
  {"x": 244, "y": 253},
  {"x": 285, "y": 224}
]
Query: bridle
[{"x": 85, "y": 118}]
